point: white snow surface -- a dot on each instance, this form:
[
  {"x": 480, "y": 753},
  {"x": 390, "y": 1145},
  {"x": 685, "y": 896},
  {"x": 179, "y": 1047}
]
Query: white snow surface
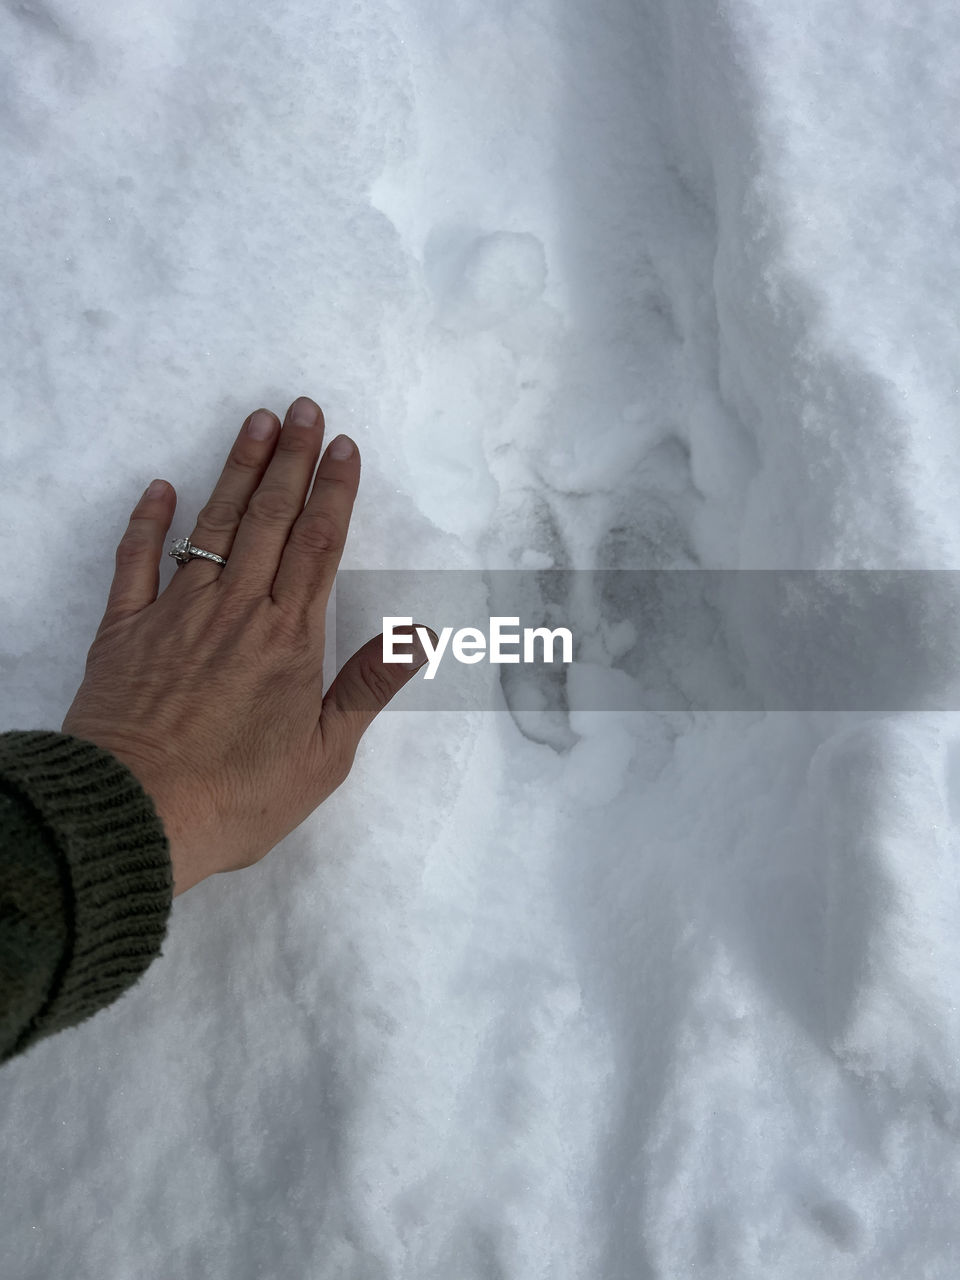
[{"x": 606, "y": 283}]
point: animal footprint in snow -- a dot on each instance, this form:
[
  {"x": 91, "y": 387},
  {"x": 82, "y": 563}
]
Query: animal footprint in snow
[{"x": 491, "y": 280}]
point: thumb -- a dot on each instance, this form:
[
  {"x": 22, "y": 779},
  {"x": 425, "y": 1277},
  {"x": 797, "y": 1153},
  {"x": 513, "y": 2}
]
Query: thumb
[{"x": 365, "y": 683}]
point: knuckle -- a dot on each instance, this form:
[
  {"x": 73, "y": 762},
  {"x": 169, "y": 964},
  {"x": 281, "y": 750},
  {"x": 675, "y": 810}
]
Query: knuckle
[
  {"x": 131, "y": 549},
  {"x": 291, "y": 632},
  {"x": 376, "y": 681},
  {"x": 220, "y": 515},
  {"x": 334, "y": 748},
  {"x": 319, "y": 533},
  {"x": 271, "y": 505},
  {"x": 340, "y": 760},
  {"x": 248, "y": 460},
  {"x": 330, "y": 487},
  {"x": 341, "y": 768},
  {"x": 341, "y": 764},
  {"x": 297, "y": 442}
]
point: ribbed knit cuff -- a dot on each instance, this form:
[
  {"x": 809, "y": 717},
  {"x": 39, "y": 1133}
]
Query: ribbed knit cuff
[{"x": 117, "y": 863}]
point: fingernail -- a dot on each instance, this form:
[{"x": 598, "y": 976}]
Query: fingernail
[
  {"x": 341, "y": 448},
  {"x": 154, "y": 489},
  {"x": 261, "y": 425},
  {"x": 303, "y": 413}
]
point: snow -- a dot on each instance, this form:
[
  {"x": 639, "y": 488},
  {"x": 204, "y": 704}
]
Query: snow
[{"x": 602, "y": 994}]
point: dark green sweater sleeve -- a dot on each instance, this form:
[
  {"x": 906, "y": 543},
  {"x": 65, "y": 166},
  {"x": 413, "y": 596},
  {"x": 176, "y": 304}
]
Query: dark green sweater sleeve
[{"x": 86, "y": 883}]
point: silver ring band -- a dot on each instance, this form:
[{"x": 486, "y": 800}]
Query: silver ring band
[{"x": 183, "y": 551}]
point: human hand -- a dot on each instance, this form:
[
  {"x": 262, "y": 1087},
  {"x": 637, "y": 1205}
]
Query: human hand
[{"x": 211, "y": 693}]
